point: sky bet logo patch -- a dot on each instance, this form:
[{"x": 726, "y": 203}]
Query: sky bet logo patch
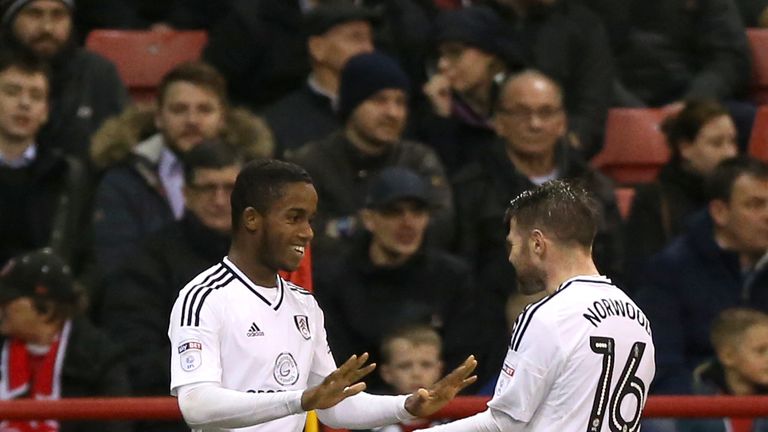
[{"x": 190, "y": 355}]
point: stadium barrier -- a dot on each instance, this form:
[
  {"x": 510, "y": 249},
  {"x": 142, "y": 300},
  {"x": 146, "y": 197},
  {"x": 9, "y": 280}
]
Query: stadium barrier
[{"x": 166, "y": 408}]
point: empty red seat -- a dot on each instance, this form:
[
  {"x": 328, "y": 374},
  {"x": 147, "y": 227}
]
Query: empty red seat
[
  {"x": 758, "y": 45},
  {"x": 635, "y": 148},
  {"x": 143, "y": 57},
  {"x": 758, "y": 141},
  {"x": 624, "y": 197}
]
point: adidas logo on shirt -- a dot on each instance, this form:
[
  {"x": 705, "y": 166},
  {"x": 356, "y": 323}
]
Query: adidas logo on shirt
[{"x": 254, "y": 331}]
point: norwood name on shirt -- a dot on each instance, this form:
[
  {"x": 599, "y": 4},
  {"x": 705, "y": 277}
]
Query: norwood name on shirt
[{"x": 604, "y": 308}]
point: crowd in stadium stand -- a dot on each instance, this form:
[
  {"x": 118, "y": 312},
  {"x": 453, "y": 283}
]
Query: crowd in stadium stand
[{"x": 418, "y": 121}]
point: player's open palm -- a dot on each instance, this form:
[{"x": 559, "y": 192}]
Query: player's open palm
[
  {"x": 425, "y": 402},
  {"x": 339, "y": 384}
]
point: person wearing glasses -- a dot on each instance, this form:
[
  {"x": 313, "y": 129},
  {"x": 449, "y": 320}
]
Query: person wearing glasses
[
  {"x": 531, "y": 149},
  {"x": 139, "y": 297}
]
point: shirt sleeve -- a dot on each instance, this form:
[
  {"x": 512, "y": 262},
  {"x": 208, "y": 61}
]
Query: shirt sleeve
[
  {"x": 529, "y": 370},
  {"x": 490, "y": 420},
  {"x": 365, "y": 411},
  {"x": 322, "y": 359},
  {"x": 195, "y": 344}
]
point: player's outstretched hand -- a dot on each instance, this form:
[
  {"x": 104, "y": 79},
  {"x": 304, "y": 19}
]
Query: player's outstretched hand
[
  {"x": 424, "y": 402},
  {"x": 339, "y": 385}
]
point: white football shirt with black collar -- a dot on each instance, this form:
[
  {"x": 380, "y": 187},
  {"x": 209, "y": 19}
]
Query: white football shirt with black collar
[
  {"x": 581, "y": 359},
  {"x": 225, "y": 329}
]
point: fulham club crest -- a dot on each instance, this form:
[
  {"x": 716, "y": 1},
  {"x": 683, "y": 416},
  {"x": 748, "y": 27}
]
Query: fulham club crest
[{"x": 302, "y": 324}]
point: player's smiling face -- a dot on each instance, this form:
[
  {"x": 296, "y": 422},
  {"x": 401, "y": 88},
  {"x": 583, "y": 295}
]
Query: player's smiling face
[{"x": 287, "y": 231}]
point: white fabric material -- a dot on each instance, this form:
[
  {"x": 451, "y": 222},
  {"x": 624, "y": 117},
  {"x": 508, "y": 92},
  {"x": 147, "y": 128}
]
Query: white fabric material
[
  {"x": 489, "y": 420},
  {"x": 171, "y": 174},
  {"x": 208, "y": 405},
  {"x": 365, "y": 411},
  {"x": 580, "y": 357},
  {"x": 263, "y": 344}
]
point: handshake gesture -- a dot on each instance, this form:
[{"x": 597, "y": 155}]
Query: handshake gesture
[{"x": 345, "y": 382}]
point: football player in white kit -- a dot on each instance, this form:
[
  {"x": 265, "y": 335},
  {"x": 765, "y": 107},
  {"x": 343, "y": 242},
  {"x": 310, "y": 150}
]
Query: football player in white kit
[
  {"x": 582, "y": 358},
  {"x": 249, "y": 349}
]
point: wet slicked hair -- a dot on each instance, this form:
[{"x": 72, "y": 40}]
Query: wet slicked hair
[
  {"x": 261, "y": 183},
  {"x": 558, "y": 208}
]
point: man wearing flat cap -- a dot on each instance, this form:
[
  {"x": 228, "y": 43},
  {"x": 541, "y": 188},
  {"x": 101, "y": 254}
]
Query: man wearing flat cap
[
  {"x": 335, "y": 32},
  {"x": 85, "y": 87},
  {"x": 392, "y": 278},
  {"x": 47, "y": 350},
  {"x": 373, "y": 108}
]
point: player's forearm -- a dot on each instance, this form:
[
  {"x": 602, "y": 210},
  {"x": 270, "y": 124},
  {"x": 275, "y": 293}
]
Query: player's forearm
[
  {"x": 210, "y": 405},
  {"x": 489, "y": 420},
  {"x": 365, "y": 411}
]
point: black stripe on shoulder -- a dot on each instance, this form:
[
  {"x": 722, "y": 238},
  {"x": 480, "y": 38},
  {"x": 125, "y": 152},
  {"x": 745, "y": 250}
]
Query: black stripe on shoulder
[
  {"x": 215, "y": 275},
  {"x": 527, "y": 315},
  {"x": 293, "y": 287},
  {"x": 281, "y": 287},
  {"x": 196, "y": 302}
]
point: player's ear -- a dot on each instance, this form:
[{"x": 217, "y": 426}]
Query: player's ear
[
  {"x": 537, "y": 242},
  {"x": 252, "y": 219}
]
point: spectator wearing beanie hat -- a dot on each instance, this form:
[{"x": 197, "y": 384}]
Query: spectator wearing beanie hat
[
  {"x": 85, "y": 87},
  {"x": 373, "y": 108},
  {"x": 48, "y": 350},
  {"x": 475, "y": 53}
]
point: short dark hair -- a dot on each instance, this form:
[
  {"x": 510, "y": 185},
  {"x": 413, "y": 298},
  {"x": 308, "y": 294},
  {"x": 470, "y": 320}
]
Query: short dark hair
[
  {"x": 560, "y": 208},
  {"x": 686, "y": 124},
  {"x": 720, "y": 182},
  {"x": 260, "y": 183},
  {"x": 732, "y": 323},
  {"x": 417, "y": 334},
  {"x": 24, "y": 61},
  {"x": 198, "y": 73},
  {"x": 210, "y": 154}
]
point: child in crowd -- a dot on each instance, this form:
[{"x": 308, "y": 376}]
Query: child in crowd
[
  {"x": 740, "y": 339},
  {"x": 410, "y": 359}
]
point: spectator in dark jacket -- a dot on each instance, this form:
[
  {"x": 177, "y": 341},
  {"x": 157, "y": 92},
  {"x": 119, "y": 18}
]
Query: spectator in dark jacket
[
  {"x": 142, "y": 190},
  {"x": 569, "y": 43},
  {"x": 740, "y": 368},
  {"x": 336, "y": 33},
  {"x": 475, "y": 54},
  {"x": 50, "y": 352},
  {"x": 138, "y": 299},
  {"x": 85, "y": 87},
  {"x": 391, "y": 278},
  {"x": 714, "y": 265},
  {"x": 531, "y": 122},
  {"x": 700, "y": 136},
  {"x": 373, "y": 104},
  {"x": 42, "y": 191}
]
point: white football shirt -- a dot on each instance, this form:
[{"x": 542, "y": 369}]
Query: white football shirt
[
  {"x": 227, "y": 330},
  {"x": 581, "y": 359}
]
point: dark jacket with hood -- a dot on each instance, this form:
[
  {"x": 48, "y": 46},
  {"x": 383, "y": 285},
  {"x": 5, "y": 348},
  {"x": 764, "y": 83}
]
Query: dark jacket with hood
[{"x": 129, "y": 202}]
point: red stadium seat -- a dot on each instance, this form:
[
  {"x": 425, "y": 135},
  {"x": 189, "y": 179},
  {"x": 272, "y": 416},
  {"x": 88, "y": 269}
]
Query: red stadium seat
[
  {"x": 143, "y": 57},
  {"x": 624, "y": 197},
  {"x": 758, "y": 141},
  {"x": 635, "y": 149},
  {"x": 758, "y": 45}
]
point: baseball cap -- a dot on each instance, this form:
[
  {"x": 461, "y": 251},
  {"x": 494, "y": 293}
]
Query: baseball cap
[
  {"x": 394, "y": 184},
  {"x": 41, "y": 274},
  {"x": 324, "y": 17}
]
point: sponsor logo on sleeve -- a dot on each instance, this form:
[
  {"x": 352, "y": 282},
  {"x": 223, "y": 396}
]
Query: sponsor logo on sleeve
[
  {"x": 302, "y": 324},
  {"x": 509, "y": 370},
  {"x": 286, "y": 371},
  {"x": 190, "y": 355}
]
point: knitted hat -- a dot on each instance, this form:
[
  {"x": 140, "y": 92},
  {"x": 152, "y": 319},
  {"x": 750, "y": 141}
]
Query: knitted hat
[
  {"x": 365, "y": 75},
  {"x": 39, "y": 274},
  {"x": 9, "y": 8},
  {"x": 482, "y": 28}
]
